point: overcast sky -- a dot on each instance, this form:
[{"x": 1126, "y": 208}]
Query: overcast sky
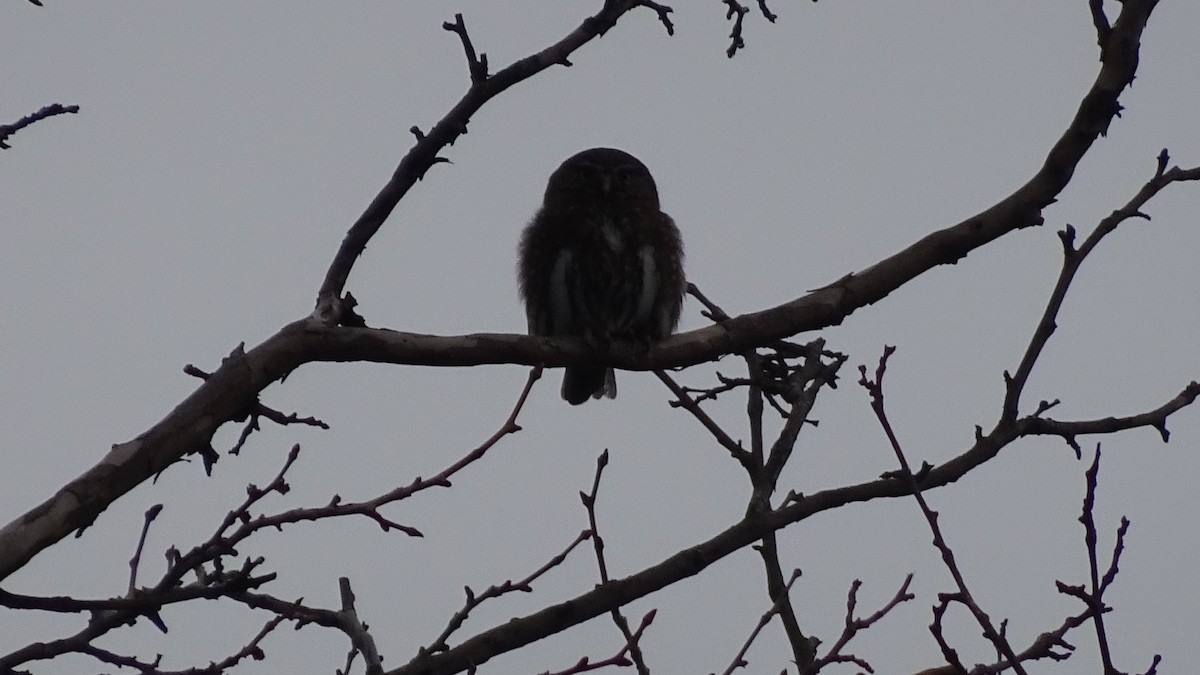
[{"x": 222, "y": 150}]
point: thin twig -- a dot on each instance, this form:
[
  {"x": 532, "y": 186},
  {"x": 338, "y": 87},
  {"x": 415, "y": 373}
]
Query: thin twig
[
  {"x": 875, "y": 388},
  {"x": 147, "y": 518},
  {"x": 804, "y": 648},
  {"x": 685, "y": 401},
  {"x": 425, "y": 152},
  {"x": 589, "y": 503},
  {"x": 370, "y": 507},
  {"x": 853, "y": 626},
  {"x": 258, "y": 410},
  {"x": 737, "y": 11},
  {"x": 739, "y": 660},
  {"x": 619, "y": 659},
  {"x": 664, "y": 14},
  {"x": 51, "y": 110},
  {"x": 525, "y": 585},
  {"x": 1072, "y": 260},
  {"x": 477, "y": 65}
]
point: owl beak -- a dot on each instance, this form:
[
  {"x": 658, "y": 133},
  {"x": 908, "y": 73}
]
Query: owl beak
[{"x": 605, "y": 183}]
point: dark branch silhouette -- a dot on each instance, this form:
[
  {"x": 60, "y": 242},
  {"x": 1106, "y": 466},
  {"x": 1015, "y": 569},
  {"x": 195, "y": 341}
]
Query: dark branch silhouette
[
  {"x": 781, "y": 375},
  {"x": 51, "y": 110}
]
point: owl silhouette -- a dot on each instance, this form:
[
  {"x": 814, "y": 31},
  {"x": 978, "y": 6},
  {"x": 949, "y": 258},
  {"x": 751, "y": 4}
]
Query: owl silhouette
[{"x": 601, "y": 261}]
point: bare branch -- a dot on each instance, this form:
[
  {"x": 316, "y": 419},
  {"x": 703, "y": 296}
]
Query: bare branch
[
  {"x": 424, "y": 152},
  {"x": 247, "y": 524},
  {"x": 714, "y": 312},
  {"x": 258, "y": 410},
  {"x": 855, "y": 625},
  {"x": 1100, "y": 21},
  {"x": 739, "y": 661},
  {"x": 1072, "y": 260},
  {"x": 766, "y": 11},
  {"x": 357, "y": 630},
  {"x": 1093, "y": 597},
  {"x": 110, "y": 614},
  {"x": 685, "y": 401},
  {"x": 589, "y": 503},
  {"x": 525, "y": 585},
  {"x": 664, "y": 14},
  {"x": 584, "y": 665},
  {"x": 875, "y": 388},
  {"x": 51, "y": 110},
  {"x": 150, "y": 515},
  {"x": 737, "y": 11},
  {"x": 804, "y": 647},
  {"x": 956, "y": 666},
  {"x": 690, "y": 561},
  {"x": 1068, "y": 430},
  {"x": 477, "y": 65}
]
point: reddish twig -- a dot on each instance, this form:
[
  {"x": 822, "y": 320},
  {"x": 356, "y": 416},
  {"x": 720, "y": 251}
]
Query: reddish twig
[
  {"x": 619, "y": 659},
  {"x": 525, "y": 585},
  {"x": 854, "y": 626}
]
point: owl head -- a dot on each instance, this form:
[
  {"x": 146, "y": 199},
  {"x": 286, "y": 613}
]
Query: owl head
[{"x": 604, "y": 175}]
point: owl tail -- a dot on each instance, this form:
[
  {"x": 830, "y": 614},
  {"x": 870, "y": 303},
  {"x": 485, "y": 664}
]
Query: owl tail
[{"x": 583, "y": 382}]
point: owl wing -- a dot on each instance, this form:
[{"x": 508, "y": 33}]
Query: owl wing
[{"x": 662, "y": 267}]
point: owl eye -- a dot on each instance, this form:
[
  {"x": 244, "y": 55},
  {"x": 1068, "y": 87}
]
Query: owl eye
[{"x": 625, "y": 174}]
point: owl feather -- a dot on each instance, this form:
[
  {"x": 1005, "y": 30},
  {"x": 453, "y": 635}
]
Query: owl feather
[{"x": 601, "y": 261}]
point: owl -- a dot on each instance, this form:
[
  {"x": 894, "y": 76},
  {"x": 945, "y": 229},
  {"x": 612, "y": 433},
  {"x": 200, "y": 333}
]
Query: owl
[{"x": 601, "y": 261}]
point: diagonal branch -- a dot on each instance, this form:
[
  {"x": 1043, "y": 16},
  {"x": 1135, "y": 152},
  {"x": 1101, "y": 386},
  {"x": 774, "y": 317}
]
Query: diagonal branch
[
  {"x": 51, "y": 110},
  {"x": 875, "y": 388},
  {"x": 691, "y": 561},
  {"x": 1073, "y": 259},
  {"x": 424, "y": 153}
]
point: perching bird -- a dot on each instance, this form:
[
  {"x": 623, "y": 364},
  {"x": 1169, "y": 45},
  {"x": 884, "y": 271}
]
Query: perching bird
[{"x": 601, "y": 261}]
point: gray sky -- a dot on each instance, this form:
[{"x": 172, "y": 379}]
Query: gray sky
[{"x": 223, "y": 149}]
